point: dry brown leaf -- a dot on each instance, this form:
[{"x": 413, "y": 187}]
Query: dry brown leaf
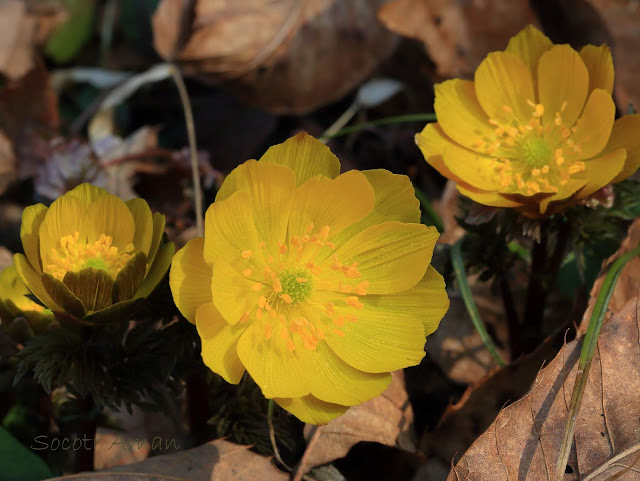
[
  {"x": 628, "y": 285},
  {"x": 28, "y": 115},
  {"x": 23, "y": 26},
  {"x": 285, "y": 56},
  {"x": 458, "y": 35},
  {"x": 7, "y": 162},
  {"x": 463, "y": 422},
  {"x": 217, "y": 460},
  {"x": 523, "y": 442},
  {"x": 382, "y": 420}
]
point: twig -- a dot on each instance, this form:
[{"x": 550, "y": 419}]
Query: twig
[
  {"x": 272, "y": 435},
  {"x": 589, "y": 344},
  {"x": 191, "y": 134},
  {"x": 461, "y": 277},
  {"x": 302, "y": 466}
]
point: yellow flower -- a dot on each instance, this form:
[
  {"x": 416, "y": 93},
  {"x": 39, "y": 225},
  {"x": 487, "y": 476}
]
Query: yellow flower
[
  {"x": 92, "y": 255},
  {"x": 317, "y": 284},
  {"x": 535, "y": 129},
  {"x": 14, "y": 301}
]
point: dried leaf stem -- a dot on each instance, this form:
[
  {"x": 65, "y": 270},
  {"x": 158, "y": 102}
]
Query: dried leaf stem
[
  {"x": 191, "y": 134},
  {"x": 302, "y": 465},
  {"x": 467, "y": 297},
  {"x": 589, "y": 344},
  {"x": 272, "y": 435}
]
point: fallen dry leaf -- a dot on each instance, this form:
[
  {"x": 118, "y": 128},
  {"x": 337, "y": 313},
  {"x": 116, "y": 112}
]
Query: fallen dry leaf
[
  {"x": 7, "y": 162},
  {"x": 524, "y": 440},
  {"x": 285, "y": 56},
  {"x": 28, "y": 118},
  {"x": 23, "y": 26},
  {"x": 458, "y": 35},
  {"x": 463, "y": 422},
  {"x": 217, "y": 460},
  {"x": 628, "y": 285},
  {"x": 382, "y": 420}
]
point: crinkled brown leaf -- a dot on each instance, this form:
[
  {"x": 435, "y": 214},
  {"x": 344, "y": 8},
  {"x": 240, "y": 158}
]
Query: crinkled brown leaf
[
  {"x": 458, "y": 35},
  {"x": 217, "y": 460},
  {"x": 628, "y": 284},
  {"x": 382, "y": 420},
  {"x": 23, "y": 26},
  {"x": 285, "y": 56},
  {"x": 463, "y": 422},
  {"x": 523, "y": 442}
]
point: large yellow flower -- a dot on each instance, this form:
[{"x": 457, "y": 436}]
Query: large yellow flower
[
  {"x": 317, "y": 284},
  {"x": 535, "y": 129},
  {"x": 14, "y": 301},
  {"x": 92, "y": 255}
]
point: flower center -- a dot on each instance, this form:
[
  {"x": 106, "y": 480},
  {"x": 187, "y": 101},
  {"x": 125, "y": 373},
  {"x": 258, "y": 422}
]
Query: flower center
[
  {"x": 74, "y": 255},
  {"x": 535, "y": 152},
  {"x": 531, "y": 158},
  {"x": 287, "y": 276},
  {"x": 296, "y": 284}
]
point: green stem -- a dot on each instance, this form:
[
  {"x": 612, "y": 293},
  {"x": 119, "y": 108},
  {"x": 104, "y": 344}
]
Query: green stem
[
  {"x": 461, "y": 277},
  {"x": 430, "y": 212},
  {"x": 272, "y": 435},
  {"x": 400, "y": 119},
  {"x": 589, "y": 344}
]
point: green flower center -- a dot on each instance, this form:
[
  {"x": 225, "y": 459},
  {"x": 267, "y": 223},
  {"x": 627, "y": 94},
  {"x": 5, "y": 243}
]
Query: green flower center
[
  {"x": 97, "y": 263},
  {"x": 297, "y": 284},
  {"x": 535, "y": 152}
]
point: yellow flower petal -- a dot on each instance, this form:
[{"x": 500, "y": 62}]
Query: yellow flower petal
[
  {"x": 426, "y": 301},
  {"x": 593, "y": 128},
  {"x": 33, "y": 281},
  {"x": 471, "y": 167},
  {"x": 460, "y": 115},
  {"x": 161, "y": 262},
  {"x": 503, "y": 86},
  {"x": 432, "y": 142},
  {"x": 32, "y": 218},
  {"x": 230, "y": 229},
  {"x": 563, "y": 81},
  {"x": 281, "y": 372},
  {"x": 66, "y": 216},
  {"x": 493, "y": 199},
  {"x": 87, "y": 194},
  {"x": 391, "y": 256},
  {"x": 232, "y": 293},
  {"x": 219, "y": 341},
  {"x": 601, "y": 170},
  {"x": 337, "y": 203},
  {"x": 270, "y": 188},
  {"x": 190, "y": 278},
  {"x": 626, "y": 134},
  {"x": 306, "y": 156},
  {"x": 309, "y": 409},
  {"x": 529, "y": 45},
  {"x": 143, "y": 221},
  {"x": 600, "y": 67},
  {"x": 110, "y": 216},
  {"x": 91, "y": 286},
  {"x": 376, "y": 341}
]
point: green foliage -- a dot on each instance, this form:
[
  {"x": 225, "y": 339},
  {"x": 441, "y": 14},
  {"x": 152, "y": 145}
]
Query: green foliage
[
  {"x": 18, "y": 462},
  {"x": 71, "y": 36}
]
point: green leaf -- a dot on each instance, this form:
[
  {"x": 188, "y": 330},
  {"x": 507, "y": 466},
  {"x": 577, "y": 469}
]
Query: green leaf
[
  {"x": 18, "y": 462},
  {"x": 71, "y": 36}
]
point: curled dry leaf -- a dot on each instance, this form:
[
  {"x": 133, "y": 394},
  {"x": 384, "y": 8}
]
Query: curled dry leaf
[
  {"x": 285, "y": 56},
  {"x": 628, "y": 285},
  {"x": 458, "y": 35},
  {"x": 23, "y": 26},
  {"x": 385, "y": 419},
  {"x": 217, "y": 460},
  {"x": 524, "y": 440}
]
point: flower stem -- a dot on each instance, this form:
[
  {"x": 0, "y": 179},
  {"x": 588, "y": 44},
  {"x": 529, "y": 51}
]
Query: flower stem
[
  {"x": 589, "y": 344},
  {"x": 191, "y": 135},
  {"x": 461, "y": 277},
  {"x": 272, "y": 435},
  {"x": 429, "y": 211},
  {"x": 399, "y": 119}
]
